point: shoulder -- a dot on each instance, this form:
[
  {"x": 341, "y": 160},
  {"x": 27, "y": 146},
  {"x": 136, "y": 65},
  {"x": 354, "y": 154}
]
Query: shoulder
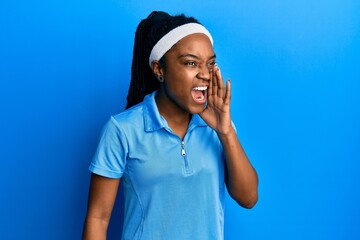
[{"x": 132, "y": 117}]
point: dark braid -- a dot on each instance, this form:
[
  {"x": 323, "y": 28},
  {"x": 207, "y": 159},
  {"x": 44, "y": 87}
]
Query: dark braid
[{"x": 148, "y": 33}]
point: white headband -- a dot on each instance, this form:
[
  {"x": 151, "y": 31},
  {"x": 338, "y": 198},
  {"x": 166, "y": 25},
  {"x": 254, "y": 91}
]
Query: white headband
[{"x": 172, "y": 37}]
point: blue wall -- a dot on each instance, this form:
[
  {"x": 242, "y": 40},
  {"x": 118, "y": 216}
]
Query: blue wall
[{"x": 294, "y": 65}]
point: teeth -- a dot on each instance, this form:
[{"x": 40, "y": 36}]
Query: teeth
[{"x": 203, "y": 88}]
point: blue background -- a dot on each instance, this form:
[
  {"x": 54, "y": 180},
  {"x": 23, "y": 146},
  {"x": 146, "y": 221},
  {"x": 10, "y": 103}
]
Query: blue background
[{"x": 294, "y": 65}]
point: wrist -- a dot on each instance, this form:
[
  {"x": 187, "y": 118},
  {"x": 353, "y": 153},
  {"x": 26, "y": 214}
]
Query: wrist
[{"x": 227, "y": 134}]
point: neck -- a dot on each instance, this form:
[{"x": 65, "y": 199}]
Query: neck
[
  {"x": 177, "y": 118},
  {"x": 170, "y": 110}
]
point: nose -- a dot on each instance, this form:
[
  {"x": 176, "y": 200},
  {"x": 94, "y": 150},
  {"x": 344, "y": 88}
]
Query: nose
[{"x": 204, "y": 72}]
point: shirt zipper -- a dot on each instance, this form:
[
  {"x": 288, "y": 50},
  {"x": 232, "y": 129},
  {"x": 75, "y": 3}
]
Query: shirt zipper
[
  {"x": 183, "y": 152},
  {"x": 188, "y": 170}
]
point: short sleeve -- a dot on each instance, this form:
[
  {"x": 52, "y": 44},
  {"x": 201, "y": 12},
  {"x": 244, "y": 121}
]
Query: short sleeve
[{"x": 110, "y": 157}]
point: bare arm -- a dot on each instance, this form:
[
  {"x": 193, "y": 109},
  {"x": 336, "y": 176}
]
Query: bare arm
[
  {"x": 242, "y": 180},
  {"x": 102, "y": 196}
]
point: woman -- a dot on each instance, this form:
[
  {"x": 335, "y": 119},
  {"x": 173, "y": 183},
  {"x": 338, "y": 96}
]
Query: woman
[{"x": 174, "y": 148}]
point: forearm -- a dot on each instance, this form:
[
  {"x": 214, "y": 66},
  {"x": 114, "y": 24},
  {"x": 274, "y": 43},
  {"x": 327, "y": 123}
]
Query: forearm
[
  {"x": 242, "y": 180},
  {"x": 95, "y": 229},
  {"x": 102, "y": 196}
]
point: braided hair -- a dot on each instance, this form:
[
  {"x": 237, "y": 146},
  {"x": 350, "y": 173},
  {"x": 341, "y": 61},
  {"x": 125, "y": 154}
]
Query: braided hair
[{"x": 148, "y": 33}]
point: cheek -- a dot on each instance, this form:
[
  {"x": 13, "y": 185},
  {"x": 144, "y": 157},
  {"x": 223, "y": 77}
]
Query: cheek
[
  {"x": 183, "y": 76},
  {"x": 181, "y": 83},
  {"x": 175, "y": 89},
  {"x": 179, "y": 80}
]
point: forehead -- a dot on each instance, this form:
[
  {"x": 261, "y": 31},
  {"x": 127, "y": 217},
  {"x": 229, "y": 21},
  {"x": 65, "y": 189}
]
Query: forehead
[{"x": 197, "y": 44}]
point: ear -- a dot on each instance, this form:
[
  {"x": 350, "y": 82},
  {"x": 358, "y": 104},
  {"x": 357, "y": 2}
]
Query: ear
[{"x": 158, "y": 70}]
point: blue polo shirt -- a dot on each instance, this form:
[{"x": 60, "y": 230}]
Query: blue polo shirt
[{"x": 173, "y": 188}]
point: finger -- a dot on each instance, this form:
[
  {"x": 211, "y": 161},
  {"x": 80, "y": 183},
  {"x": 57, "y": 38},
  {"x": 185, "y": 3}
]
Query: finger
[
  {"x": 220, "y": 84},
  {"x": 210, "y": 89},
  {"x": 214, "y": 82},
  {"x": 227, "y": 93}
]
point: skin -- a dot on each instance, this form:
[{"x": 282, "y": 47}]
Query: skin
[{"x": 188, "y": 64}]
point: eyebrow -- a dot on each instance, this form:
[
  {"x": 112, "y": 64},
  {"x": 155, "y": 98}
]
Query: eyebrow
[{"x": 194, "y": 56}]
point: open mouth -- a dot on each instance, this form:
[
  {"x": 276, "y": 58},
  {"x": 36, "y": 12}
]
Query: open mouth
[{"x": 199, "y": 94}]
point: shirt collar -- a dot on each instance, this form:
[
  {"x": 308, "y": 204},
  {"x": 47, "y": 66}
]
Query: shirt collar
[{"x": 154, "y": 121}]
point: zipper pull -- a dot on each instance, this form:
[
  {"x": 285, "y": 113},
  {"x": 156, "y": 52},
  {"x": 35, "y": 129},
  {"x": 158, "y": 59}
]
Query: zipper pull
[{"x": 183, "y": 153}]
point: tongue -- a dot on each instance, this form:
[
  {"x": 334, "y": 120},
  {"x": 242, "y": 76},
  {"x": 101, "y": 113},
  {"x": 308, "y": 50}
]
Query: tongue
[{"x": 197, "y": 95}]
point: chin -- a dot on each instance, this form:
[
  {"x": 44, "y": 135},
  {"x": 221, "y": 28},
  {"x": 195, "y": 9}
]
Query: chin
[{"x": 197, "y": 109}]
